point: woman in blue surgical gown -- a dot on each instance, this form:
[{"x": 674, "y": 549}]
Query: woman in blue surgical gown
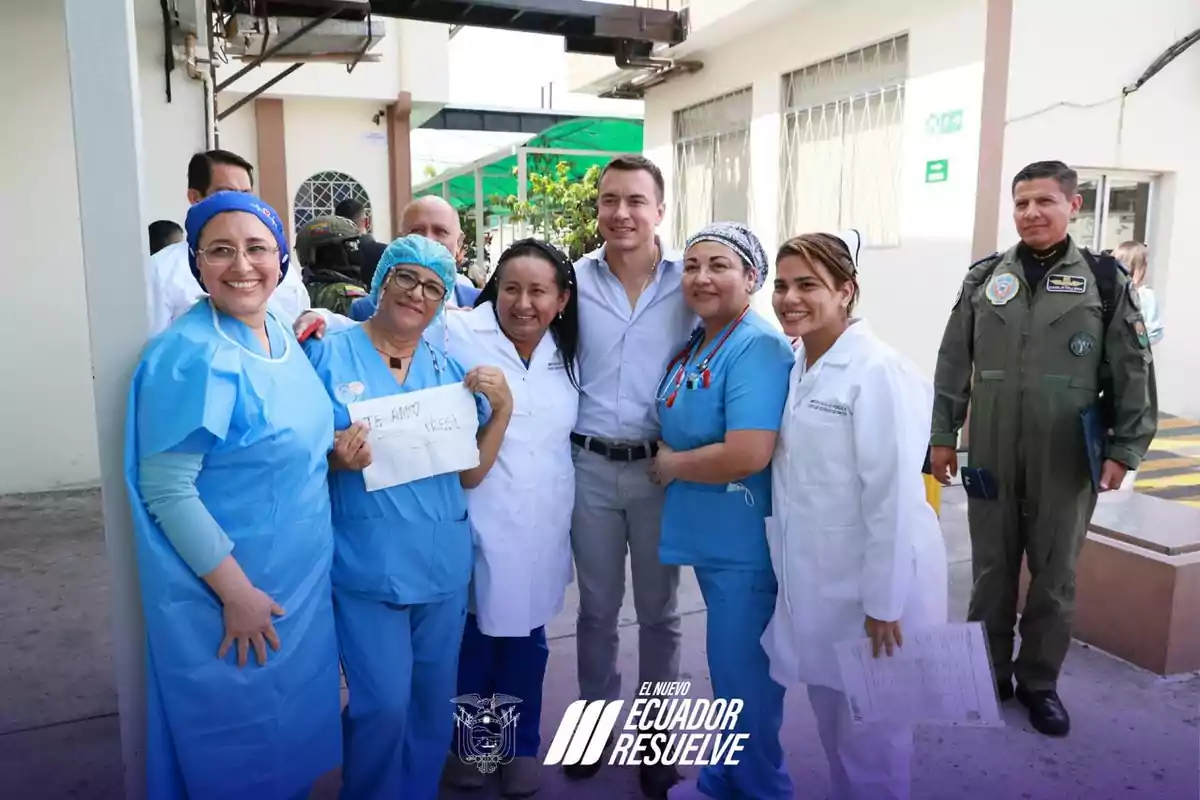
[
  {"x": 226, "y": 441},
  {"x": 720, "y": 403},
  {"x": 403, "y": 554}
]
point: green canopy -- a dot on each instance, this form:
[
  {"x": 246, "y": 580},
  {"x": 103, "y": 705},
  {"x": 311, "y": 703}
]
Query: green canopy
[{"x": 600, "y": 135}]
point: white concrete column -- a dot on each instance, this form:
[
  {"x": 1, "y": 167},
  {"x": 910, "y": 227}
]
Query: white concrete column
[
  {"x": 480, "y": 233},
  {"x": 102, "y": 53},
  {"x": 765, "y": 176}
]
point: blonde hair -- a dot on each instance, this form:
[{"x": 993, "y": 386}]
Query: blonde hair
[
  {"x": 1134, "y": 257},
  {"x": 830, "y": 252}
]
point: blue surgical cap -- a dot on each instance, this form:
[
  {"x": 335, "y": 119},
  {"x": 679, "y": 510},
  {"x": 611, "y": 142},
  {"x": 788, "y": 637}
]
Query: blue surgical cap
[
  {"x": 416, "y": 251},
  {"x": 200, "y": 214}
]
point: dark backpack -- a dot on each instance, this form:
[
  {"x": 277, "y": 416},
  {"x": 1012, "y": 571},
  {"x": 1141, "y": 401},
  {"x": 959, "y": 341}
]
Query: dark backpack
[{"x": 1104, "y": 270}]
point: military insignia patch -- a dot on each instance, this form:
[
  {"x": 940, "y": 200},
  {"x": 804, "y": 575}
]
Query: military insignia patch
[
  {"x": 1066, "y": 284},
  {"x": 1082, "y": 344},
  {"x": 1139, "y": 332},
  {"x": 1002, "y": 288}
]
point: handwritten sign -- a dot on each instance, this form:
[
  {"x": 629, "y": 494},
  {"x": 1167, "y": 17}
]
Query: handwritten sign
[
  {"x": 941, "y": 676},
  {"x": 418, "y": 434}
]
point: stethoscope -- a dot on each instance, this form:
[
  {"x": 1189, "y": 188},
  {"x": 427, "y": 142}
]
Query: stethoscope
[{"x": 673, "y": 380}]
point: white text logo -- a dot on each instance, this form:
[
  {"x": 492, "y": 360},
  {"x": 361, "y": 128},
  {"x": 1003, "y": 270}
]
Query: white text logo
[{"x": 663, "y": 726}]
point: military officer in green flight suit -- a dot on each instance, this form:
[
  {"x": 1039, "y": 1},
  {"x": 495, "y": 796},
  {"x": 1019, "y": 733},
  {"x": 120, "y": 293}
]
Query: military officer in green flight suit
[{"x": 1031, "y": 344}]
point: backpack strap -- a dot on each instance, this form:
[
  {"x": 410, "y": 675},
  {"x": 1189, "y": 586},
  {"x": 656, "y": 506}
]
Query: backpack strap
[{"x": 1104, "y": 270}]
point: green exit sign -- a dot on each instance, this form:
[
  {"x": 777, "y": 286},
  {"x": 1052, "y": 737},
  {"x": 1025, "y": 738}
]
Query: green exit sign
[{"x": 937, "y": 171}]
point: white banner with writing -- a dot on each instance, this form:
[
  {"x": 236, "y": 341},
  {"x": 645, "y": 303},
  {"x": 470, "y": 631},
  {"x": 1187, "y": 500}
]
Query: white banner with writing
[{"x": 419, "y": 434}]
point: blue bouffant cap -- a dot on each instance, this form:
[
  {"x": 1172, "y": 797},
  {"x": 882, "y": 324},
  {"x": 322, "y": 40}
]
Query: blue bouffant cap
[
  {"x": 418, "y": 251},
  {"x": 200, "y": 214}
]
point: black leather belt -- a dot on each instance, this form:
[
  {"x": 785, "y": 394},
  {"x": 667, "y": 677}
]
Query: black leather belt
[{"x": 614, "y": 451}]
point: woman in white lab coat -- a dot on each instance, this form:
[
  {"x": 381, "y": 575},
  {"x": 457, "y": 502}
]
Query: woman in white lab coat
[
  {"x": 857, "y": 549},
  {"x": 526, "y": 322}
]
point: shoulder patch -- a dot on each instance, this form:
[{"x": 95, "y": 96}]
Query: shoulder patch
[{"x": 352, "y": 291}]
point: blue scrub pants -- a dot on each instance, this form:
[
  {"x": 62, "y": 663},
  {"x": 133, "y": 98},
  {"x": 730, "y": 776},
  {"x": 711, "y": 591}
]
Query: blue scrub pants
[
  {"x": 740, "y": 604},
  {"x": 507, "y": 665},
  {"x": 400, "y": 664}
]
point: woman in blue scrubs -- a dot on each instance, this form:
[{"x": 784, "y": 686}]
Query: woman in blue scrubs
[
  {"x": 720, "y": 404},
  {"x": 403, "y": 555},
  {"x": 226, "y": 441}
]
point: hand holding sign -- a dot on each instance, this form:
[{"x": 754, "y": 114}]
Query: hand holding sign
[
  {"x": 415, "y": 435},
  {"x": 351, "y": 450},
  {"x": 491, "y": 383}
]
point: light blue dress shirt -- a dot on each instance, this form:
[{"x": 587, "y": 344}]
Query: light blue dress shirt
[{"x": 623, "y": 351}]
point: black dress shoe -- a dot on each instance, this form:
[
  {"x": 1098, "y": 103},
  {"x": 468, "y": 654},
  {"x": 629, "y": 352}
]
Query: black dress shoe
[
  {"x": 579, "y": 772},
  {"x": 1047, "y": 714},
  {"x": 657, "y": 780},
  {"x": 1004, "y": 689}
]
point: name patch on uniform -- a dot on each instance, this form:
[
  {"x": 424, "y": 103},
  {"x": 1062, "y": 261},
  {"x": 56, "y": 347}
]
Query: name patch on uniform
[
  {"x": 1002, "y": 288},
  {"x": 1066, "y": 284},
  {"x": 1082, "y": 344},
  {"x": 556, "y": 364},
  {"x": 349, "y": 392},
  {"x": 830, "y": 408}
]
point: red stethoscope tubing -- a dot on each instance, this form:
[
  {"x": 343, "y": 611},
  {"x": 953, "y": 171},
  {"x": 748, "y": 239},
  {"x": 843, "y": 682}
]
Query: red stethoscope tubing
[{"x": 686, "y": 355}]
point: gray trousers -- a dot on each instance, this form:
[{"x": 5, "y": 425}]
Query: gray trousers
[{"x": 618, "y": 510}]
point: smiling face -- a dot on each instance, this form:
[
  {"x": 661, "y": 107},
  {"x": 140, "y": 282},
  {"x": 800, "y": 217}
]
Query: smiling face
[
  {"x": 808, "y": 297},
  {"x": 716, "y": 282},
  {"x": 238, "y": 261},
  {"x": 628, "y": 209},
  {"x": 408, "y": 304},
  {"x": 528, "y": 298},
  {"x": 1042, "y": 211}
]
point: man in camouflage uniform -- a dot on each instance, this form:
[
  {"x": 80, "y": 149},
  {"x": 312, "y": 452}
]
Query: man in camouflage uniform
[
  {"x": 1031, "y": 344},
  {"x": 326, "y": 249}
]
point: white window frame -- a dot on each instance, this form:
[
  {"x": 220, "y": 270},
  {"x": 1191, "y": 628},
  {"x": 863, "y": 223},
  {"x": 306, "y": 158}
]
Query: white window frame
[
  {"x": 358, "y": 192},
  {"x": 710, "y": 133},
  {"x": 881, "y": 80},
  {"x": 1103, "y": 179}
]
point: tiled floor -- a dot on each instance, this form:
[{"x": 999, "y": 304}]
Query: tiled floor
[{"x": 1171, "y": 469}]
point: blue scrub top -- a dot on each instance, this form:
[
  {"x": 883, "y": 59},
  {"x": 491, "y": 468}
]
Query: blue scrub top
[
  {"x": 406, "y": 544},
  {"x": 723, "y": 526}
]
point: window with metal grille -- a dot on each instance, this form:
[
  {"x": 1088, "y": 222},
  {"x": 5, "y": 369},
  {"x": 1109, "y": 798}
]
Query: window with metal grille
[
  {"x": 841, "y": 144},
  {"x": 319, "y": 195},
  {"x": 712, "y": 163}
]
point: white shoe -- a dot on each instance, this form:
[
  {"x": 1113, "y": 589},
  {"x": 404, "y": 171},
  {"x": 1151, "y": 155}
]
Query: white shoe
[{"x": 686, "y": 790}]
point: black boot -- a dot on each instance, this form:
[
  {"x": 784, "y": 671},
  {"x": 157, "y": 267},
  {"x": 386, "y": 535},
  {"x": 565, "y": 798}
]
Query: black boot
[
  {"x": 1004, "y": 689},
  {"x": 657, "y": 780},
  {"x": 579, "y": 772},
  {"x": 1047, "y": 714}
]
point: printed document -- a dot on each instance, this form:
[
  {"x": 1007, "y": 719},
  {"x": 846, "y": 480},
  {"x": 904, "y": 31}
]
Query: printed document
[{"x": 941, "y": 676}]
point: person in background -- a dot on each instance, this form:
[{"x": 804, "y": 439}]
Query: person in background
[
  {"x": 632, "y": 317},
  {"x": 427, "y": 216},
  {"x": 327, "y": 248},
  {"x": 720, "y": 403},
  {"x": 366, "y": 258},
  {"x": 163, "y": 233},
  {"x": 526, "y": 323},
  {"x": 227, "y": 434},
  {"x": 1030, "y": 345},
  {"x": 173, "y": 290},
  {"x": 856, "y": 547},
  {"x": 1135, "y": 257},
  {"x": 403, "y": 554}
]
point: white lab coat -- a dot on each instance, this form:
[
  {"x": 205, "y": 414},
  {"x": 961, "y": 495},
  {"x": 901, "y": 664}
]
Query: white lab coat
[
  {"x": 173, "y": 290},
  {"x": 521, "y": 513},
  {"x": 852, "y": 533}
]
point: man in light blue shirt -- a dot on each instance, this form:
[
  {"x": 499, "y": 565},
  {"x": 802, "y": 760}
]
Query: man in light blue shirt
[{"x": 632, "y": 319}]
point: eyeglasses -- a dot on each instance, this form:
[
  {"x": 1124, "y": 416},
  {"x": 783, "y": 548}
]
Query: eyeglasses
[
  {"x": 406, "y": 281},
  {"x": 223, "y": 255}
]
